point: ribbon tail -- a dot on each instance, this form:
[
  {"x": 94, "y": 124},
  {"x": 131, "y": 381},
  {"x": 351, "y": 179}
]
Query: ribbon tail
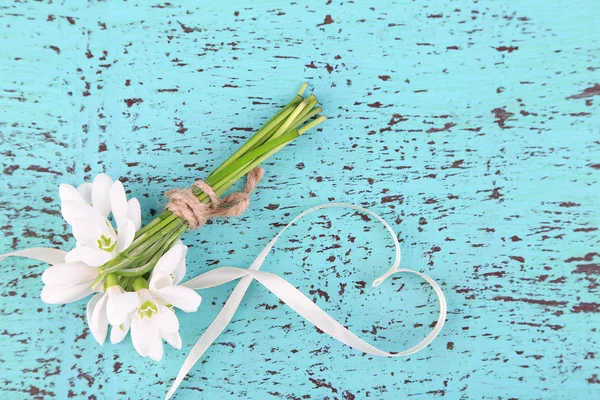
[
  {"x": 45, "y": 254},
  {"x": 213, "y": 331},
  {"x": 216, "y": 277}
]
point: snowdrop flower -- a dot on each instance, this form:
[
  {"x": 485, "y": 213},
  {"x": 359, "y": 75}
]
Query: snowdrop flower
[
  {"x": 86, "y": 209},
  {"x": 67, "y": 282},
  {"x": 152, "y": 318},
  {"x": 112, "y": 307},
  {"x": 95, "y": 194}
]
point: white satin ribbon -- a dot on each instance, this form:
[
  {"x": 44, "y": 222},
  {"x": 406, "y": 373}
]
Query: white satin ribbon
[
  {"x": 45, "y": 254},
  {"x": 295, "y": 300},
  {"x": 280, "y": 288}
]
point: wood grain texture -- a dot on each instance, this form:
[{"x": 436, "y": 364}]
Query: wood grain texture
[{"x": 472, "y": 126}]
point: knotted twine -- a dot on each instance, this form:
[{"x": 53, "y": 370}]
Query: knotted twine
[{"x": 184, "y": 204}]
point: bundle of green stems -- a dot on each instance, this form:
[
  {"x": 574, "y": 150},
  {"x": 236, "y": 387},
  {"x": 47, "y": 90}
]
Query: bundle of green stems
[{"x": 153, "y": 240}]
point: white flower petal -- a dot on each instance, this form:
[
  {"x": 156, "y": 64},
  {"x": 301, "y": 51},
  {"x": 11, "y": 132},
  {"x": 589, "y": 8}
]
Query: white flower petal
[
  {"x": 68, "y": 282},
  {"x": 72, "y": 211},
  {"x": 140, "y": 335},
  {"x": 109, "y": 230},
  {"x": 180, "y": 269},
  {"x": 159, "y": 281},
  {"x": 134, "y": 213},
  {"x": 126, "y": 233},
  {"x": 166, "y": 319},
  {"x": 168, "y": 262},
  {"x": 85, "y": 190},
  {"x": 69, "y": 193},
  {"x": 180, "y": 296},
  {"x": 101, "y": 194},
  {"x": 118, "y": 332},
  {"x": 74, "y": 256},
  {"x": 155, "y": 351},
  {"x": 87, "y": 234},
  {"x": 125, "y": 227},
  {"x": 90, "y": 256},
  {"x": 91, "y": 305},
  {"x": 120, "y": 304},
  {"x": 172, "y": 338},
  {"x": 69, "y": 274},
  {"x": 144, "y": 335},
  {"x": 66, "y": 294},
  {"x": 145, "y": 295},
  {"x": 99, "y": 323},
  {"x": 118, "y": 203}
]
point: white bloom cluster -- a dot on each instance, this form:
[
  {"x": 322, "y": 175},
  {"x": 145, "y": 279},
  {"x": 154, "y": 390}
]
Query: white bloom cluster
[{"x": 147, "y": 311}]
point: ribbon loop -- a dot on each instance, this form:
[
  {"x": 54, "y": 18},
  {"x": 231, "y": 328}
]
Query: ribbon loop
[{"x": 296, "y": 300}]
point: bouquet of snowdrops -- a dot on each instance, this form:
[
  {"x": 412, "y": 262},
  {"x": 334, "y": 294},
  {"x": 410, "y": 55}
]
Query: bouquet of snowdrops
[{"x": 134, "y": 272}]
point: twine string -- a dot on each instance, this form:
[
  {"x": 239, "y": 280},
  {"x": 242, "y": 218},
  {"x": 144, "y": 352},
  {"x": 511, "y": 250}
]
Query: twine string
[{"x": 184, "y": 204}]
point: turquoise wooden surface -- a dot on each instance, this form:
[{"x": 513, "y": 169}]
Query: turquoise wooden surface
[{"x": 471, "y": 126}]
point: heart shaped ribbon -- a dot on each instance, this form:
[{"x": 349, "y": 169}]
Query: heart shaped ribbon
[
  {"x": 281, "y": 288},
  {"x": 295, "y": 299}
]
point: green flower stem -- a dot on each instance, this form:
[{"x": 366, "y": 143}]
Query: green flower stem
[
  {"x": 220, "y": 183},
  {"x": 289, "y": 120},
  {"x": 125, "y": 282},
  {"x": 166, "y": 244},
  {"x": 222, "y": 180},
  {"x": 154, "y": 254},
  {"x": 165, "y": 220},
  {"x": 311, "y": 103},
  {"x": 150, "y": 225},
  {"x": 161, "y": 238},
  {"x": 259, "y": 160},
  {"x": 139, "y": 271},
  {"x": 261, "y": 136},
  {"x": 249, "y": 157},
  {"x": 152, "y": 247},
  {"x": 306, "y": 117},
  {"x": 156, "y": 238},
  {"x": 226, "y": 182},
  {"x": 308, "y": 112},
  {"x": 312, "y": 100},
  {"x": 126, "y": 258},
  {"x": 312, "y": 124},
  {"x": 265, "y": 130},
  {"x": 273, "y": 129},
  {"x": 302, "y": 89}
]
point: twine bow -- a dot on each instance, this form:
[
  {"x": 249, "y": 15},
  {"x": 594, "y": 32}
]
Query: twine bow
[{"x": 184, "y": 204}]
